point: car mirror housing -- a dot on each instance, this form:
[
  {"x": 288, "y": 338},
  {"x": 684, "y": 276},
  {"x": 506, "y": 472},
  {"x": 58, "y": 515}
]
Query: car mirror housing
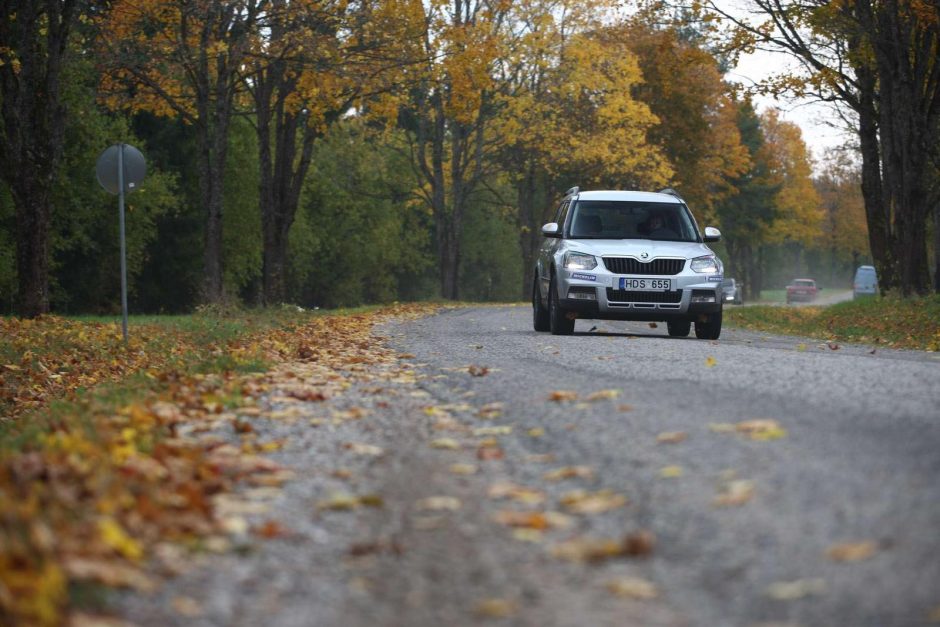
[
  {"x": 712, "y": 234},
  {"x": 551, "y": 230}
]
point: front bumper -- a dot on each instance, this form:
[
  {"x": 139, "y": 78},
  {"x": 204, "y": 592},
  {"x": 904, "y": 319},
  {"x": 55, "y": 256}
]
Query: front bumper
[{"x": 695, "y": 295}]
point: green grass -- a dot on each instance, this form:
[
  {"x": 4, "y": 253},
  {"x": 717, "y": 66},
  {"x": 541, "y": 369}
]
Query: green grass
[{"x": 901, "y": 323}]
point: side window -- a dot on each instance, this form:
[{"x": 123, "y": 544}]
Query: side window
[{"x": 563, "y": 214}]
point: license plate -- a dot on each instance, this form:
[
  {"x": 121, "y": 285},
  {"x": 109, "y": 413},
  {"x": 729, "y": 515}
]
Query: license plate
[{"x": 645, "y": 285}]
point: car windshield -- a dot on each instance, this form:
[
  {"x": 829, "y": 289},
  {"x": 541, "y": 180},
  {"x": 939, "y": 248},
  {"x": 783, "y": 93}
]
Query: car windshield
[
  {"x": 620, "y": 219},
  {"x": 804, "y": 283}
]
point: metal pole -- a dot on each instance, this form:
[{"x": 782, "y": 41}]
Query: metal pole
[{"x": 123, "y": 243}]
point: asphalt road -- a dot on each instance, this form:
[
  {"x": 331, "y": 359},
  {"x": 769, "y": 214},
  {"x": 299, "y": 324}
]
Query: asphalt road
[{"x": 859, "y": 462}]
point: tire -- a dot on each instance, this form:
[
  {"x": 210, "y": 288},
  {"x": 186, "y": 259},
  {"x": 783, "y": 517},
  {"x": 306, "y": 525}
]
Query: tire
[
  {"x": 711, "y": 329},
  {"x": 540, "y": 320},
  {"x": 558, "y": 321},
  {"x": 679, "y": 328}
]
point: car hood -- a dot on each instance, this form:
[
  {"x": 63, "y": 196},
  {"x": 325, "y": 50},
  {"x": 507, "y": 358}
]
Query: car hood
[{"x": 635, "y": 247}]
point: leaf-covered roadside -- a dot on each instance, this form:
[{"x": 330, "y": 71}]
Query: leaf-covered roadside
[
  {"x": 896, "y": 323},
  {"x": 95, "y": 489}
]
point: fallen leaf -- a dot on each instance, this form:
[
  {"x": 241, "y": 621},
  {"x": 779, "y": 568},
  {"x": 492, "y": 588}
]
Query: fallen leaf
[
  {"x": 369, "y": 450},
  {"x": 761, "y": 429},
  {"x": 833, "y": 346},
  {"x": 653, "y": 325},
  {"x": 489, "y": 453},
  {"x": 496, "y": 608},
  {"x": 271, "y": 529},
  {"x": 446, "y": 443},
  {"x": 536, "y": 432},
  {"x": 583, "y": 502},
  {"x": 801, "y": 347},
  {"x": 671, "y": 472},
  {"x": 632, "y": 588},
  {"x": 478, "y": 371},
  {"x": 710, "y": 362},
  {"x": 569, "y": 472},
  {"x": 463, "y": 469},
  {"x": 624, "y": 407},
  {"x": 602, "y": 395},
  {"x": 540, "y": 458},
  {"x": 852, "y": 551},
  {"x": 339, "y": 501},
  {"x": 559, "y": 396},
  {"x": 671, "y": 437},
  {"x": 737, "y": 492},
  {"x": 521, "y": 494},
  {"x": 485, "y": 431},
  {"x": 439, "y": 504},
  {"x": 639, "y": 544},
  {"x": 793, "y": 590},
  {"x": 490, "y": 411}
]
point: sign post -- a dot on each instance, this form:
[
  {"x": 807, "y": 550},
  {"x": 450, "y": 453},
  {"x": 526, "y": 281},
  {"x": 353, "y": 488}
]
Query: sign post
[{"x": 120, "y": 169}]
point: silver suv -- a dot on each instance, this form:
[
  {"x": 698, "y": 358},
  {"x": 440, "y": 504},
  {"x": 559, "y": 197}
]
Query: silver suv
[{"x": 621, "y": 255}]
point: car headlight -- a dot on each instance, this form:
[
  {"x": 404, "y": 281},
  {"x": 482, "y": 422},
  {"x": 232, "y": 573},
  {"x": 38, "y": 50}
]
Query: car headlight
[
  {"x": 709, "y": 264},
  {"x": 579, "y": 261}
]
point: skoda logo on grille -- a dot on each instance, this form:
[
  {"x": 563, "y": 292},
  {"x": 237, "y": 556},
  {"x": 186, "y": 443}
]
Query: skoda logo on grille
[{"x": 644, "y": 255}]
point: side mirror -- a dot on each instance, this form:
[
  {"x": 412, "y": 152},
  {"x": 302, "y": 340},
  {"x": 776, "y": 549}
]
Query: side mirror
[
  {"x": 551, "y": 230},
  {"x": 712, "y": 234}
]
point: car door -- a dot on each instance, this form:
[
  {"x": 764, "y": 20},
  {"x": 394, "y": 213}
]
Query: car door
[{"x": 548, "y": 248}]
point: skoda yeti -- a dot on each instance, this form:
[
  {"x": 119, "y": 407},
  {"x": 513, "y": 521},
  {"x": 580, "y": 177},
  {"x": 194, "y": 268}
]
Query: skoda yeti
[{"x": 621, "y": 255}]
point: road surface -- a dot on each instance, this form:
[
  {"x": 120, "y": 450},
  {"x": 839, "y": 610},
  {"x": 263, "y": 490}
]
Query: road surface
[{"x": 832, "y": 519}]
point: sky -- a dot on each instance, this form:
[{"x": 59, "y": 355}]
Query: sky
[{"x": 812, "y": 117}]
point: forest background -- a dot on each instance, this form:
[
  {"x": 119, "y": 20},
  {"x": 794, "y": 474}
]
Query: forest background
[{"x": 336, "y": 153}]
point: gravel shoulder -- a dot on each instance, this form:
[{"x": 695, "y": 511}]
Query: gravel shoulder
[{"x": 858, "y": 463}]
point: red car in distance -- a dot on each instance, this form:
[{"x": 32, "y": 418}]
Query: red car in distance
[{"x": 802, "y": 289}]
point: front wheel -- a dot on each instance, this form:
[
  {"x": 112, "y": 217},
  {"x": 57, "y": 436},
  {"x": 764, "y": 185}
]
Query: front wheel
[
  {"x": 679, "y": 328},
  {"x": 540, "y": 320},
  {"x": 558, "y": 320},
  {"x": 710, "y": 329}
]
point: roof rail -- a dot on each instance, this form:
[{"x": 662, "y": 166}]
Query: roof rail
[
  {"x": 574, "y": 190},
  {"x": 671, "y": 192}
]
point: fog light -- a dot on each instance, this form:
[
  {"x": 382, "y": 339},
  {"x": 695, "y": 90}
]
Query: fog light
[
  {"x": 703, "y": 296},
  {"x": 582, "y": 293}
]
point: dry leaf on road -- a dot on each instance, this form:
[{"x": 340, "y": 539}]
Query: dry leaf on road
[
  {"x": 671, "y": 437},
  {"x": 584, "y": 502},
  {"x": 559, "y": 396},
  {"x": 632, "y": 588},
  {"x": 793, "y": 590},
  {"x": 496, "y": 608},
  {"x": 439, "y": 504},
  {"x": 852, "y": 551},
  {"x": 737, "y": 492},
  {"x": 761, "y": 429},
  {"x": 569, "y": 472}
]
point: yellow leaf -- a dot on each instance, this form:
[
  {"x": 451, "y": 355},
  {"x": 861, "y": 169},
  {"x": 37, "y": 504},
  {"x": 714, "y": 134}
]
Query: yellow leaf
[
  {"x": 603, "y": 395},
  {"x": 671, "y": 472},
  {"x": 562, "y": 395},
  {"x": 446, "y": 443},
  {"x": 584, "y": 502},
  {"x": 463, "y": 469},
  {"x": 439, "y": 503},
  {"x": 632, "y": 588},
  {"x": 710, "y": 362},
  {"x": 852, "y": 551},
  {"x": 496, "y": 608},
  {"x": 569, "y": 472},
  {"x": 115, "y": 537},
  {"x": 761, "y": 429},
  {"x": 536, "y": 432}
]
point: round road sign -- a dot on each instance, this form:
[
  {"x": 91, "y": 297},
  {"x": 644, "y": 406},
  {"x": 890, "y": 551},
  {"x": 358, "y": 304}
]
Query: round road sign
[{"x": 135, "y": 168}]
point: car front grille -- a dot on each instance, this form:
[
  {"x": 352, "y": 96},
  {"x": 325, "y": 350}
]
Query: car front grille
[
  {"x": 627, "y": 265},
  {"x": 628, "y": 296}
]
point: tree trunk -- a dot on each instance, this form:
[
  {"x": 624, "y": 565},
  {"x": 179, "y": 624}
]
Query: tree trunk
[
  {"x": 33, "y": 217},
  {"x": 35, "y": 38}
]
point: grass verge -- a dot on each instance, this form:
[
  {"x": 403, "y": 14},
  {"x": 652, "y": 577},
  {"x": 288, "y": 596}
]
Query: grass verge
[
  {"x": 112, "y": 458},
  {"x": 912, "y": 323}
]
